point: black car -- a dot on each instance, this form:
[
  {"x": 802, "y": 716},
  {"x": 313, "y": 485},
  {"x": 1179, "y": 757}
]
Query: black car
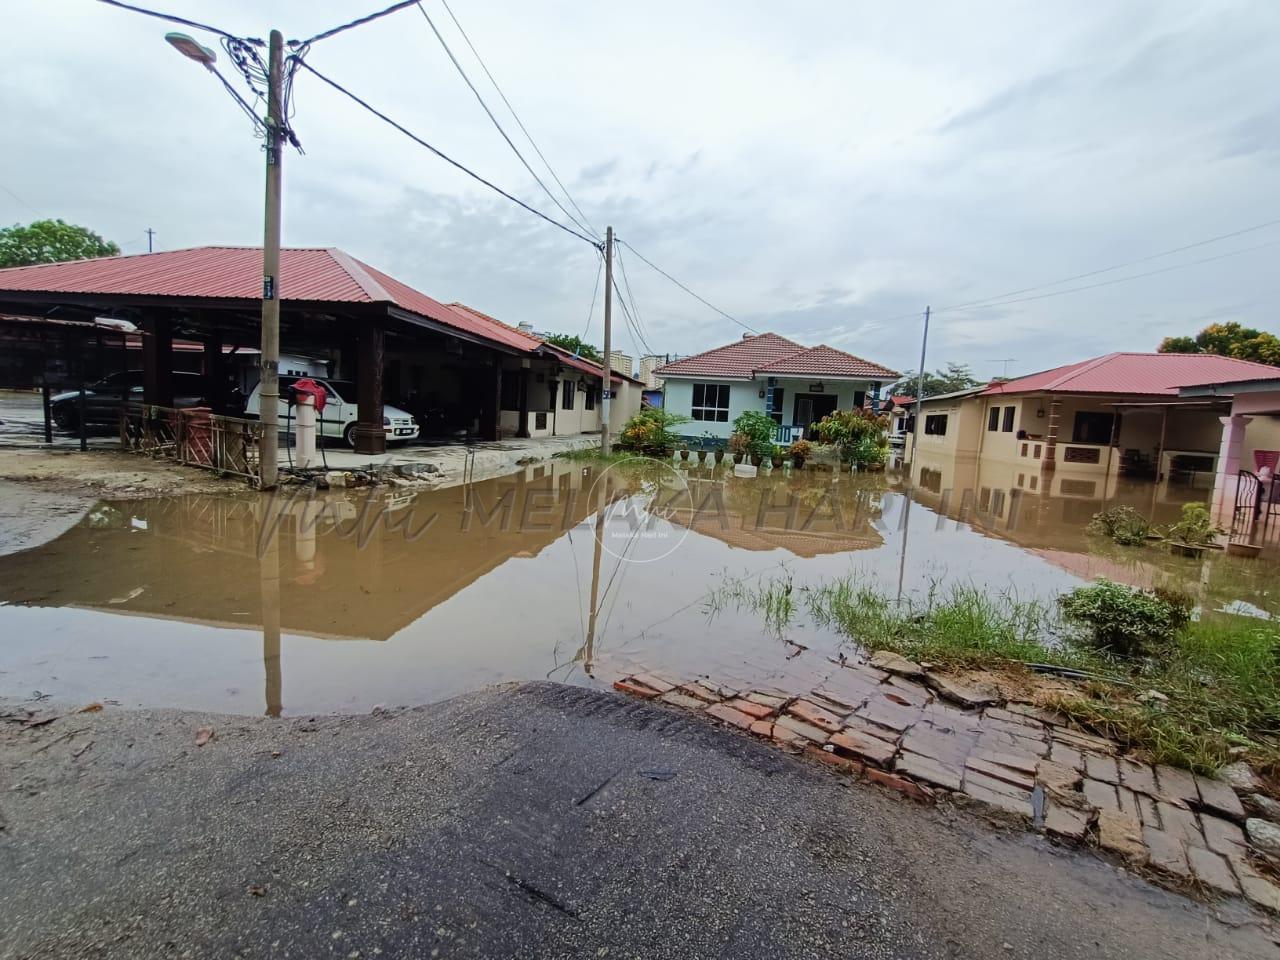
[{"x": 102, "y": 400}]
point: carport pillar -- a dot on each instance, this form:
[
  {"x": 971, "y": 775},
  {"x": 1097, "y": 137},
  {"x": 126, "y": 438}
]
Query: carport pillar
[
  {"x": 370, "y": 434},
  {"x": 491, "y": 424},
  {"x": 157, "y": 361},
  {"x": 523, "y": 431},
  {"x": 1227, "y": 476},
  {"x": 214, "y": 378}
]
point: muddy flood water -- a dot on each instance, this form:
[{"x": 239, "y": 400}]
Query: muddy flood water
[{"x": 343, "y": 600}]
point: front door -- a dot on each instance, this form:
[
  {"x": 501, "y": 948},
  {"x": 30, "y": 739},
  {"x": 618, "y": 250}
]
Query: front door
[{"x": 812, "y": 407}]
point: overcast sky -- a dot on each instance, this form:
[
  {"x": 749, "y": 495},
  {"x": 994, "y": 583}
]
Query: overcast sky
[{"x": 815, "y": 169}]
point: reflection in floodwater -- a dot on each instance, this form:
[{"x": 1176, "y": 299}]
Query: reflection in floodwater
[{"x": 561, "y": 571}]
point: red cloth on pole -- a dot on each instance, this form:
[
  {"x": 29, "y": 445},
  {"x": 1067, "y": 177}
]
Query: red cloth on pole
[{"x": 317, "y": 392}]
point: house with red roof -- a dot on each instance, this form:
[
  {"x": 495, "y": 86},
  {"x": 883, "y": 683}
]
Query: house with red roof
[
  {"x": 1078, "y": 429},
  {"x": 794, "y": 384},
  {"x": 461, "y": 372}
]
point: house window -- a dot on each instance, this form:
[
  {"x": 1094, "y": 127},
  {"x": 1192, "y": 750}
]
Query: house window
[
  {"x": 993, "y": 419},
  {"x": 567, "y": 389},
  {"x": 935, "y": 424},
  {"x": 1007, "y": 425},
  {"x": 711, "y": 402},
  {"x": 776, "y": 410},
  {"x": 1092, "y": 427},
  {"x": 590, "y": 397}
]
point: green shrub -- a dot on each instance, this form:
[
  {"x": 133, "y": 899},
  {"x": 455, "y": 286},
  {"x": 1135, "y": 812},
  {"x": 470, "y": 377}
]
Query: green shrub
[
  {"x": 859, "y": 435},
  {"x": 1125, "y": 525},
  {"x": 759, "y": 430},
  {"x": 649, "y": 432},
  {"x": 1196, "y": 526},
  {"x": 1125, "y": 621}
]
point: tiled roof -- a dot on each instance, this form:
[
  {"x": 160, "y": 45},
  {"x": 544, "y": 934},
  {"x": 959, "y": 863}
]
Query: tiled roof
[
  {"x": 309, "y": 274},
  {"x": 1146, "y": 374},
  {"x": 771, "y": 354},
  {"x": 828, "y": 361}
]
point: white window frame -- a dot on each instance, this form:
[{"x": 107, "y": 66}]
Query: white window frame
[{"x": 699, "y": 411}]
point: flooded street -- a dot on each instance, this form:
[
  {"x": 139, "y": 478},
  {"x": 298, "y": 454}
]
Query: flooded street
[{"x": 339, "y": 601}]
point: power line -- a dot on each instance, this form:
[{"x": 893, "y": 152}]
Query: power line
[
  {"x": 351, "y": 24},
  {"x": 695, "y": 296},
  {"x": 985, "y": 301},
  {"x": 594, "y": 292},
  {"x": 635, "y": 307},
  {"x": 519, "y": 122},
  {"x": 1136, "y": 276},
  {"x": 179, "y": 20},
  {"x": 514, "y": 149},
  {"x": 443, "y": 156},
  {"x": 637, "y": 341}
]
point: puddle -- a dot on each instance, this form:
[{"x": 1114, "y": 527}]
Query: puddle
[{"x": 346, "y": 600}]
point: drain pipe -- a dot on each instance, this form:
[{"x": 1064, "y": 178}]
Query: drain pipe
[{"x": 306, "y": 429}]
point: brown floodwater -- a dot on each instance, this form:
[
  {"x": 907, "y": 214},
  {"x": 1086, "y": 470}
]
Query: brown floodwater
[{"x": 343, "y": 600}]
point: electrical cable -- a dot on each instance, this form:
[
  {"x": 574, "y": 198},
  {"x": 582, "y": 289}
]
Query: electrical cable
[
  {"x": 695, "y": 296},
  {"x": 443, "y": 156},
  {"x": 637, "y": 341},
  {"x": 594, "y": 291},
  {"x": 180, "y": 20},
  {"x": 985, "y": 301},
  {"x": 635, "y": 307},
  {"x": 498, "y": 126},
  {"x": 519, "y": 122},
  {"x": 351, "y": 24}
]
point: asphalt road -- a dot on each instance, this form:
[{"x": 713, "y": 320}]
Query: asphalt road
[{"x": 531, "y": 821}]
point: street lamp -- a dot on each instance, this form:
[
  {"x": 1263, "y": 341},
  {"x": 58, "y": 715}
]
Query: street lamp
[
  {"x": 273, "y": 128},
  {"x": 191, "y": 49}
]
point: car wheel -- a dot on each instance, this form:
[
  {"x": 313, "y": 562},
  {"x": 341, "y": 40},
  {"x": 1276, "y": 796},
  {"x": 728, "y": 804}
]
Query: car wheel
[
  {"x": 349, "y": 435},
  {"x": 64, "y": 418}
]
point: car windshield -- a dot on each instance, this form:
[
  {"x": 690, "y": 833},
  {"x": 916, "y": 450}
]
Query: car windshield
[{"x": 345, "y": 389}]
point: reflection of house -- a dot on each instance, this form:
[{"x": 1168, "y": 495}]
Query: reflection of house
[
  {"x": 200, "y": 559},
  {"x": 763, "y": 513},
  {"x": 794, "y": 385},
  {"x": 1086, "y": 423}
]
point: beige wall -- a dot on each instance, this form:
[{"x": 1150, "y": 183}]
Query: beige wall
[{"x": 962, "y": 428}]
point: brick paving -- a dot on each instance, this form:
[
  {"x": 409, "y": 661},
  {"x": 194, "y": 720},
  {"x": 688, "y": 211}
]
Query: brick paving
[{"x": 926, "y": 736}]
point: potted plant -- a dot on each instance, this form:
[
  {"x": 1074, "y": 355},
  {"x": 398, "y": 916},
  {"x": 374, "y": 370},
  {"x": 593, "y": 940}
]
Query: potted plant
[
  {"x": 684, "y": 451},
  {"x": 759, "y": 431},
  {"x": 799, "y": 451},
  {"x": 1194, "y": 532},
  {"x": 718, "y": 453},
  {"x": 739, "y": 446}
]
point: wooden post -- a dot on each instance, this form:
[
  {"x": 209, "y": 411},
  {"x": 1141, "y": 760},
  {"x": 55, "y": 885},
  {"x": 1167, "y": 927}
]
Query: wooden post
[{"x": 370, "y": 435}]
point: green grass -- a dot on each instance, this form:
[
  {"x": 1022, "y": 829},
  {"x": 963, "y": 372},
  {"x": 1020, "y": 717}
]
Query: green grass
[
  {"x": 1221, "y": 676},
  {"x": 594, "y": 455}
]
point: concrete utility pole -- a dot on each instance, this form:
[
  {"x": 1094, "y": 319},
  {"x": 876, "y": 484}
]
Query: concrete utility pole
[
  {"x": 607, "y": 376},
  {"x": 150, "y": 234},
  {"x": 915, "y": 427},
  {"x": 269, "y": 388}
]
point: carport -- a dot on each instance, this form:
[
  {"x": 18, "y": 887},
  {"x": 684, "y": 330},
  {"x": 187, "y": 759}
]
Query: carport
[{"x": 330, "y": 301}]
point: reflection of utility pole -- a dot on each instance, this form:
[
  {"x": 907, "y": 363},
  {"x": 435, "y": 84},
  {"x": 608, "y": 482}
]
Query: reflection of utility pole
[
  {"x": 269, "y": 576},
  {"x": 588, "y": 647},
  {"x": 902, "y": 557}
]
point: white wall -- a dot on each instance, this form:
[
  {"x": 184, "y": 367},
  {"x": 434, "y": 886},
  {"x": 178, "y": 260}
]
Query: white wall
[{"x": 745, "y": 395}]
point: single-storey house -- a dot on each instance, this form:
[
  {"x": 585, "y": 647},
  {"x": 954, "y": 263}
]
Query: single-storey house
[
  {"x": 793, "y": 384},
  {"x": 1086, "y": 424},
  {"x": 461, "y": 372}
]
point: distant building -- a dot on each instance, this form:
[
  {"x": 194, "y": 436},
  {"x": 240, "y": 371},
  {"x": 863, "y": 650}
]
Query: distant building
[
  {"x": 621, "y": 363},
  {"x": 648, "y": 365}
]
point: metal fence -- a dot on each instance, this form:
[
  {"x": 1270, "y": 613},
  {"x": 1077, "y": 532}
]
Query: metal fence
[{"x": 193, "y": 436}]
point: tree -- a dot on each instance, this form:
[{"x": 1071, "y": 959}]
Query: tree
[
  {"x": 567, "y": 341},
  {"x": 955, "y": 376},
  {"x": 51, "y": 241},
  {"x": 1228, "y": 340}
]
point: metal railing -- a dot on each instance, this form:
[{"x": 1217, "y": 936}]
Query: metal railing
[
  {"x": 786, "y": 434},
  {"x": 193, "y": 436},
  {"x": 1257, "y": 505}
]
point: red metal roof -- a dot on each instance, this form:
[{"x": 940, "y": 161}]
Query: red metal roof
[
  {"x": 235, "y": 273},
  {"x": 771, "y": 354},
  {"x": 828, "y": 361},
  {"x": 1146, "y": 374}
]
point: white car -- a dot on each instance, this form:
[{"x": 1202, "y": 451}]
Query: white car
[{"x": 341, "y": 411}]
